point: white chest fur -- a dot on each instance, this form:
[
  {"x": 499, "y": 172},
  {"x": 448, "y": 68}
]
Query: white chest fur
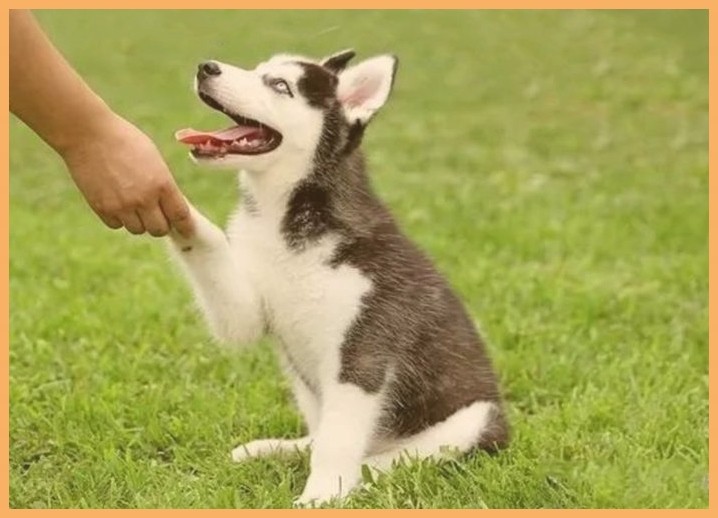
[{"x": 308, "y": 304}]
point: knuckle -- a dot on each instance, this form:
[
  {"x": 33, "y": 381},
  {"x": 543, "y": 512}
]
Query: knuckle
[
  {"x": 125, "y": 201},
  {"x": 163, "y": 186},
  {"x": 180, "y": 213},
  {"x": 145, "y": 201},
  {"x": 108, "y": 208},
  {"x": 137, "y": 200},
  {"x": 129, "y": 204}
]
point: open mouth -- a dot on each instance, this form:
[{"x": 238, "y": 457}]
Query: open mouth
[{"x": 247, "y": 137}]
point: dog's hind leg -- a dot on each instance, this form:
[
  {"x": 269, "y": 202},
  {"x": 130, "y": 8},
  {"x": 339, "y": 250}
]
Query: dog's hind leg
[
  {"x": 228, "y": 301},
  {"x": 480, "y": 424},
  {"x": 266, "y": 447}
]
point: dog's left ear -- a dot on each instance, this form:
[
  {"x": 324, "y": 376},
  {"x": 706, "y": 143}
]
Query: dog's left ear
[
  {"x": 364, "y": 88},
  {"x": 338, "y": 62}
]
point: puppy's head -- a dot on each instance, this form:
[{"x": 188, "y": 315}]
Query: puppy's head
[{"x": 287, "y": 107}]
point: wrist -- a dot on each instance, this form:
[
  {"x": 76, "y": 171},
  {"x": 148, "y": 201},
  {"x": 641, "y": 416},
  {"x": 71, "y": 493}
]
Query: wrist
[{"x": 89, "y": 125}]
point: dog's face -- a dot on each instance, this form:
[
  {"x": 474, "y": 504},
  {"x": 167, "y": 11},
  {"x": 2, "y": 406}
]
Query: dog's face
[{"x": 279, "y": 109}]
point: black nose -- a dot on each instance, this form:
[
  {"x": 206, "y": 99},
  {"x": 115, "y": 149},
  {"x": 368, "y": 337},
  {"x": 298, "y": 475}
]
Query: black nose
[{"x": 207, "y": 69}]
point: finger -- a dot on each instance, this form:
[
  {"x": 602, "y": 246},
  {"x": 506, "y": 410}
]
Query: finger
[
  {"x": 176, "y": 210},
  {"x": 111, "y": 221},
  {"x": 154, "y": 221},
  {"x": 132, "y": 223}
]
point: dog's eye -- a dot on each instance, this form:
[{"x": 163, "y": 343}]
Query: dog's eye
[{"x": 281, "y": 86}]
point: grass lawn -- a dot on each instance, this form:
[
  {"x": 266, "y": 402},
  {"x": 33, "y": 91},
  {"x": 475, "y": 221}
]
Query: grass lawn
[{"x": 553, "y": 163}]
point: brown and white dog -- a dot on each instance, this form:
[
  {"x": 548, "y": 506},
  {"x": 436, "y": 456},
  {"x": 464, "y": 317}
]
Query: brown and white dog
[{"x": 383, "y": 358}]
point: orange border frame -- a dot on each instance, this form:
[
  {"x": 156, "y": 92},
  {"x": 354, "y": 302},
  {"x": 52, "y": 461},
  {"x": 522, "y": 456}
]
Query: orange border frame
[{"x": 327, "y": 4}]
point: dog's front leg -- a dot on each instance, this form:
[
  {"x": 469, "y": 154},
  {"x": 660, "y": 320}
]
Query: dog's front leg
[
  {"x": 228, "y": 301},
  {"x": 347, "y": 421}
]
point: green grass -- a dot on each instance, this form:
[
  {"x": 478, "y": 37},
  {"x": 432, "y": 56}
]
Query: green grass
[{"x": 553, "y": 163}]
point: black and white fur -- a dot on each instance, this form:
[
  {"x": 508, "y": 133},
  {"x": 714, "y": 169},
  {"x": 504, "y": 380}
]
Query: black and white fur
[{"x": 383, "y": 359}]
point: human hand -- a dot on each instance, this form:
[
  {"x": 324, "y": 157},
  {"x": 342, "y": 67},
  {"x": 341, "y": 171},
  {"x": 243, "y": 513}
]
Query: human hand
[{"x": 125, "y": 180}]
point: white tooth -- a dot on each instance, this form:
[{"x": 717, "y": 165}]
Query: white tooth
[{"x": 243, "y": 142}]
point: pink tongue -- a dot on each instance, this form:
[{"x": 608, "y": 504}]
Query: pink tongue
[{"x": 191, "y": 136}]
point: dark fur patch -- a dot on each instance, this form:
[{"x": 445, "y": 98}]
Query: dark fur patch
[
  {"x": 318, "y": 85},
  {"x": 332, "y": 139},
  {"x": 354, "y": 138},
  {"x": 414, "y": 337},
  {"x": 308, "y": 216}
]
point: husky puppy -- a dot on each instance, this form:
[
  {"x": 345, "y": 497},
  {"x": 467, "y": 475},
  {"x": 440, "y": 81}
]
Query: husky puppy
[{"x": 383, "y": 359}]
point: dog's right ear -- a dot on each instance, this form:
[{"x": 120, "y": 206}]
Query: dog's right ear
[
  {"x": 338, "y": 62},
  {"x": 364, "y": 88}
]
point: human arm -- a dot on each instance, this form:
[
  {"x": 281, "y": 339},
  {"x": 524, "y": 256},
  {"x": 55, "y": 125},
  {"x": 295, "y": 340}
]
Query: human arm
[{"x": 115, "y": 165}]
